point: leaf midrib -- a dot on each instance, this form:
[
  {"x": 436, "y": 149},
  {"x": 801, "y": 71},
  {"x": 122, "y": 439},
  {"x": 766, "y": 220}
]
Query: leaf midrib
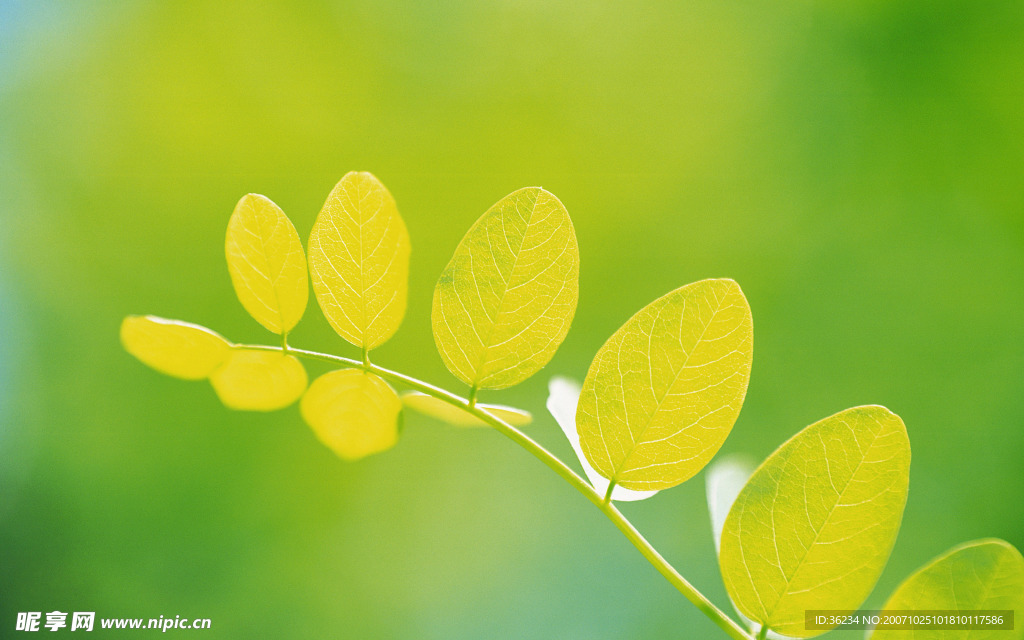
[
  {"x": 824, "y": 525},
  {"x": 668, "y": 390},
  {"x": 482, "y": 360}
]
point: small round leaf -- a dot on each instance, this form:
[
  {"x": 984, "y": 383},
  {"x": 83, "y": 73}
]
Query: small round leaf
[
  {"x": 353, "y": 412},
  {"x": 253, "y": 380},
  {"x": 177, "y": 348}
]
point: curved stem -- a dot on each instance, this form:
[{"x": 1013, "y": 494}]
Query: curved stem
[{"x": 699, "y": 600}]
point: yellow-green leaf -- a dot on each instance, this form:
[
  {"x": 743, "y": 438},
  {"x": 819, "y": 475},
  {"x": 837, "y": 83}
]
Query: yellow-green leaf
[
  {"x": 814, "y": 526},
  {"x": 979, "y": 575},
  {"x": 252, "y": 380},
  {"x": 267, "y": 266},
  {"x": 441, "y": 410},
  {"x": 664, "y": 391},
  {"x": 177, "y": 348},
  {"x": 507, "y": 297},
  {"x": 359, "y": 260},
  {"x": 563, "y": 396},
  {"x": 353, "y": 412}
]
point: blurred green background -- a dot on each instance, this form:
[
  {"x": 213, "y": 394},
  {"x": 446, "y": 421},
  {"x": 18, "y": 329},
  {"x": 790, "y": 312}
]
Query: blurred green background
[{"x": 858, "y": 166}]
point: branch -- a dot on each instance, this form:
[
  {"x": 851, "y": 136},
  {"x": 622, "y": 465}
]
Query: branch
[{"x": 699, "y": 600}]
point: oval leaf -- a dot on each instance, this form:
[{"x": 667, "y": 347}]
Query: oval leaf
[
  {"x": 441, "y": 410},
  {"x": 563, "y": 396},
  {"x": 353, "y": 412},
  {"x": 663, "y": 393},
  {"x": 252, "y": 380},
  {"x": 814, "y": 526},
  {"x": 179, "y": 349},
  {"x": 979, "y": 575},
  {"x": 507, "y": 297},
  {"x": 359, "y": 260},
  {"x": 266, "y": 262}
]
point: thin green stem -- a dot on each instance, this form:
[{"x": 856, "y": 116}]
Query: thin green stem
[
  {"x": 699, "y": 600},
  {"x": 608, "y": 493},
  {"x": 284, "y": 341},
  {"x": 763, "y": 633}
]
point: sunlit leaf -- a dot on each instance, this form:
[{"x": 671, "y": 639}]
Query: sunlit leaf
[
  {"x": 725, "y": 479},
  {"x": 253, "y": 380},
  {"x": 353, "y": 412},
  {"x": 664, "y": 391},
  {"x": 507, "y": 297},
  {"x": 441, "y": 410},
  {"x": 359, "y": 260},
  {"x": 173, "y": 347},
  {"x": 979, "y": 575},
  {"x": 814, "y": 526},
  {"x": 267, "y": 266},
  {"x": 563, "y": 396}
]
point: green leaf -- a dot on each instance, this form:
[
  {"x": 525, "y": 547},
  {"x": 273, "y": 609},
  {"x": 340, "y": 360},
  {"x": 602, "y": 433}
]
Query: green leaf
[
  {"x": 663, "y": 393},
  {"x": 252, "y": 380},
  {"x": 814, "y": 526},
  {"x": 984, "y": 574},
  {"x": 266, "y": 263},
  {"x": 507, "y": 297},
  {"x": 353, "y": 412},
  {"x": 724, "y": 479},
  {"x": 563, "y": 396},
  {"x": 359, "y": 260},
  {"x": 177, "y": 348},
  {"x": 441, "y": 410}
]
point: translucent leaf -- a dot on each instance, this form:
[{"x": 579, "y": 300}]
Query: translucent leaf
[
  {"x": 814, "y": 526},
  {"x": 563, "y": 395},
  {"x": 359, "y": 260},
  {"x": 353, "y": 412},
  {"x": 267, "y": 266},
  {"x": 664, "y": 391},
  {"x": 441, "y": 410},
  {"x": 725, "y": 479},
  {"x": 252, "y": 380},
  {"x": 984, "y": 574},
  {"x": 177, "y": 348},
  {"x": 507, "y": 297}
]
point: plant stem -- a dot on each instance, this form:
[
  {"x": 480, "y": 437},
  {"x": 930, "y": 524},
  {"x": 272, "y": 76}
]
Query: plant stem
[
  {"x": 608, "y": 493},
  {"x": 699, "y": 600},
  {"x": 763, "y": 633}
]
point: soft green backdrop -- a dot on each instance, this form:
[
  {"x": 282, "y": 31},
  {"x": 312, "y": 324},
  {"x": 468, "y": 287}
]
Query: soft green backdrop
[{"x": 858, "y": 166}]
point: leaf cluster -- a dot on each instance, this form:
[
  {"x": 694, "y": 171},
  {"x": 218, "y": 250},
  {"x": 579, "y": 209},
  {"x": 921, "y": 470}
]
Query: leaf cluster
[{"x": 811, "y": 527}]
